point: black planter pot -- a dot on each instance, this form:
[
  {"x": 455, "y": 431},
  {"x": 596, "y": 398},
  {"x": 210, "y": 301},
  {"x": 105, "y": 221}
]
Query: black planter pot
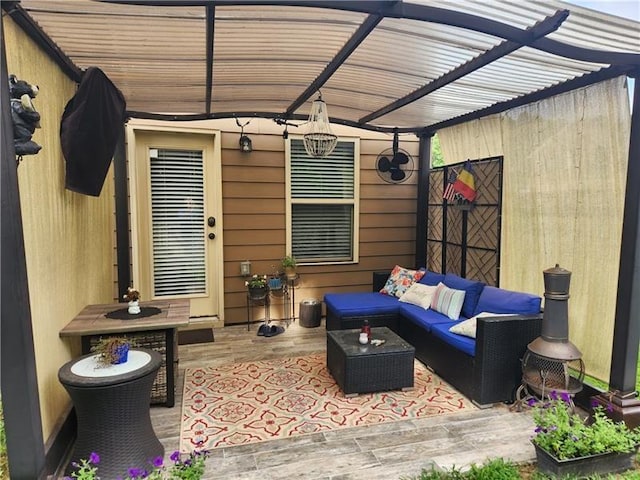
[
  {"x": 601, "y": 463},
  {"x": 257, "y": 293}
]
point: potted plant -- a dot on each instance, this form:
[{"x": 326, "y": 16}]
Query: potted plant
[
  {"x": 257, "y": 286},
  {"x": 289, "y": 266},
  {"x": 567, "y": 444},
  {"x": 112, "y": 350},
  {"x": 133, "y": 297}
]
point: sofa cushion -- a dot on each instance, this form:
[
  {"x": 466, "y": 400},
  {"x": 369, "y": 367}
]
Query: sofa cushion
[
  {"x": 472, "y": 289},
  {"x": 465, "y": 344},
  {"x": 419, "y": 294},
  {"x": 400, "y": 280},
  {"x": 468, "y": 327},
  {"x": 448, "y": 301},
  {"x": 431, "y": 278},
  {"x": 360, "y": 303},
  {"x": 499, "y": 300},
  {"x": 418, "y": 315}
]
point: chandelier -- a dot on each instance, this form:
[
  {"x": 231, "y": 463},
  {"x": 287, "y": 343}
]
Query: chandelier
[{"x": 319, "y": 141}]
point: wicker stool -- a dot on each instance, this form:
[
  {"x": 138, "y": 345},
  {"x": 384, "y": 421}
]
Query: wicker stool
[{"x": 112, "y": 409}]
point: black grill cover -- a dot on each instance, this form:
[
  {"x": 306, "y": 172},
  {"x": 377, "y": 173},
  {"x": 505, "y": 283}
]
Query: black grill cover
[{"x": 91, "y": 125}]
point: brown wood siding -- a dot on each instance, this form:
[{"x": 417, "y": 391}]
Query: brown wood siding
[{"x": 254, "y": 196}]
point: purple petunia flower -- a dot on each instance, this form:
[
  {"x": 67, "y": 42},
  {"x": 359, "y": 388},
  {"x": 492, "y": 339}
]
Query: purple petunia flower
[
  {"x": 532, "y": 401},
  {"x": 94, "y": 458},
  {"x": 158, "y": 462},
  {"x": 554, "y": 395},
  {"x": 609, "y": 407},
  {"x": 175, "y": 456},
  {"x": 539, "y": 429},
  {"x": 594, "y": 403},
  {"x": 565, "y": 397},
  {"x": 135, "y": 472}
]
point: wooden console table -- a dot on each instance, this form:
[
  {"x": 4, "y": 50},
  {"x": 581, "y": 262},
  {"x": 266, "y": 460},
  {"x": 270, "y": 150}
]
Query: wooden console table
[{"x": 156, "y": 332}]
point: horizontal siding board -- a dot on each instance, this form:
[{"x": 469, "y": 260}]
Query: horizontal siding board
[
  {"x": 388, "y": 206},
  {"x": 258, "y": 174},
  {"x": 257, "y": 158},
  {"x": 375, "y": 220},
  {"x": 249, "y": 238},
  {"x": 258, "y": 190},
  {"x": 251, "y": 221},
  {"x": 252, "y": 205}
]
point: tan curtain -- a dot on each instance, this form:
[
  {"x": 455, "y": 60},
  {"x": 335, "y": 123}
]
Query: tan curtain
[{"x": 565, "y": 161}]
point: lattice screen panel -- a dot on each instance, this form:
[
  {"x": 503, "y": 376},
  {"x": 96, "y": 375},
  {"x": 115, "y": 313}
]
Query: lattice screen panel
[{"x": 466, "y": 241}]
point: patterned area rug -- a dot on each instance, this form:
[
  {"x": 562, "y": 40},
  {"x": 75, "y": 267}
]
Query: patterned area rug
[{"x": 257, "y": 401}]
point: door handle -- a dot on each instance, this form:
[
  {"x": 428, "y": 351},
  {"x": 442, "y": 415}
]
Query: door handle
[
  {"x": 212, "y": 236},
  {"x": 211, "y": 221}
]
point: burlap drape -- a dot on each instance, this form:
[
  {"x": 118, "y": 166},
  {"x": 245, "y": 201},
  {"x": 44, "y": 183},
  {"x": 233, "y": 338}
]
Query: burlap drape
[{"x": 565, "y": 161}]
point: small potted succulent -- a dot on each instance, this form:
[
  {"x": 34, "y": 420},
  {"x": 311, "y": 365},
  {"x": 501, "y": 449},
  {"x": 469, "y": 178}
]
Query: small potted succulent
[
  {"x": 289, "y": 266},
  {"x": 275, "y": 281},
  {"x": 112, "y": 350},
  {"x": 257, "y": 286}
]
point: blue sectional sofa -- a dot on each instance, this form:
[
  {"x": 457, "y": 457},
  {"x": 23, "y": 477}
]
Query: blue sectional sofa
[{"x": 487, "y": 368}]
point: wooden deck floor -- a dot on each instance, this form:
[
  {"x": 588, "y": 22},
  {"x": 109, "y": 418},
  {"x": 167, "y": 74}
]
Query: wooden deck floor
[{"x": 386, "y": 451}]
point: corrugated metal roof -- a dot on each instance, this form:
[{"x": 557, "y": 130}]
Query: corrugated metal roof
[{"x": 265, "y": 56}]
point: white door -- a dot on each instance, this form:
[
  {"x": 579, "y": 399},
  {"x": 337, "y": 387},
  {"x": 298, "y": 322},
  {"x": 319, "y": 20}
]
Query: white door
[{"x": 177, "y": 222}]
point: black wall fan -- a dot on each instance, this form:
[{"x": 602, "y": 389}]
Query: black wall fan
[{"x": 394, "y": 165}]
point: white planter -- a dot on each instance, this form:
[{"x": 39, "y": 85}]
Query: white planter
[{"x": 134, "y": 307}]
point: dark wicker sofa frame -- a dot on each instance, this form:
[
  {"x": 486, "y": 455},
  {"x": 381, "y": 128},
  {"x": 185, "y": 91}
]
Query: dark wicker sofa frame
[{"x": 491, "y": 376}]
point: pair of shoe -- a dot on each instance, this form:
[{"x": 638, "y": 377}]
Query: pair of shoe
[{"x": 269, "y": 330}]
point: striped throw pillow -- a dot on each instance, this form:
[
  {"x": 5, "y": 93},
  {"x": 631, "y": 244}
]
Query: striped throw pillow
[{"x": 448, "y": 301}]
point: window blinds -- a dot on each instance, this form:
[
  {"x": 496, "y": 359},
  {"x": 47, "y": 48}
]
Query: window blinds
[
  {"x": 322, "y": 204},
  {"x": 177, "y": 211}
]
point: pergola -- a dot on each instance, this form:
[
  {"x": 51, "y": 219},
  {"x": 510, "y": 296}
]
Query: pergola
[{"x": 412, "y": 66}]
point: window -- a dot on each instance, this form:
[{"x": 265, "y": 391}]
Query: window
[{"x": 322, "y": 215}]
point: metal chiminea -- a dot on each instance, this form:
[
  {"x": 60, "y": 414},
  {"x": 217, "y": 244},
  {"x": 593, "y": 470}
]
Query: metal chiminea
[{"x": 552, "y": 362}]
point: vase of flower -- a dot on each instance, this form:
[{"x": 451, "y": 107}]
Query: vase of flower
[
  {"x": 133, "y": 298},
  {"x": 585, "y": 466},
  {"x": 568, "y": 444},
  {"x": 257, "y": 287},
  {"x": 112, "y": 350},
  {"x": 289, "y": 264}
]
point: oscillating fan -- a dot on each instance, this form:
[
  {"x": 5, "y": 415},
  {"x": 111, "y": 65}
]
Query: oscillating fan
[{"x": 394, "y": 165}]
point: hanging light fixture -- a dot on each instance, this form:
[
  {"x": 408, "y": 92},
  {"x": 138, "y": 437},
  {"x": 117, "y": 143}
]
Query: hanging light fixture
[
  {"x": 245, "y": 141},
  {"x": 319, "y": 141}
]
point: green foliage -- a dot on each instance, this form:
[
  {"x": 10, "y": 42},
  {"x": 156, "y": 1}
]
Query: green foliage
[
  {"x": 288, "y": 261},
  {"x": 564, "y": 434},
  {"x": 256, "y": 281},
  {"x": 4, "y": 463},
  {"x": 437, "y": 160},
  {"x": 496, "y": 469},
  {"x": 190, "y": 468}
]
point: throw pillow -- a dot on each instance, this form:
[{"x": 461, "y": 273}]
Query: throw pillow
[
  {"x": 472, "y": 290},
  {"x": 432, "y": 278},
  {"x": 419, "y": 294},
  {"x": 400, "y": 280},
  {"x": 468, "y": 327},
  {"x": 448, "y": 301}
]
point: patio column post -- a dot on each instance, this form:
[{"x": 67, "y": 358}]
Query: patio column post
[
  {"x": 19, "y": 386},
  {"x": 422, "y": 208},
  {"x": 626, "y": 334}
]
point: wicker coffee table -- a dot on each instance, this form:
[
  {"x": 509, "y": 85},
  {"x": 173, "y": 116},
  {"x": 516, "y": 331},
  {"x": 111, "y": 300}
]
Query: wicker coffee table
[{"x": 367, "y": 368}]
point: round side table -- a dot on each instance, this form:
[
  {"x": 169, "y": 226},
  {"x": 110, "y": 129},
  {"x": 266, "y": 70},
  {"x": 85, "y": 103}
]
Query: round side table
[{"x": 112, "y": 409}]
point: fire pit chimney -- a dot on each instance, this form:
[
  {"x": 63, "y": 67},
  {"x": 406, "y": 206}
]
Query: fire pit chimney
[
  {"x": 554, "y": 341},
  {"x": 552, "y": 362}
]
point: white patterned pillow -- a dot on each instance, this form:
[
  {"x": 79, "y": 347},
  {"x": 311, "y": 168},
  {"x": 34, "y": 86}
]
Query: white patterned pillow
[
  {"x": 468, "y": 327},
  {"x": 400, "y": 280},
  {"x": 448, "y": 301},
  {"x": 419, "y": 294}
]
